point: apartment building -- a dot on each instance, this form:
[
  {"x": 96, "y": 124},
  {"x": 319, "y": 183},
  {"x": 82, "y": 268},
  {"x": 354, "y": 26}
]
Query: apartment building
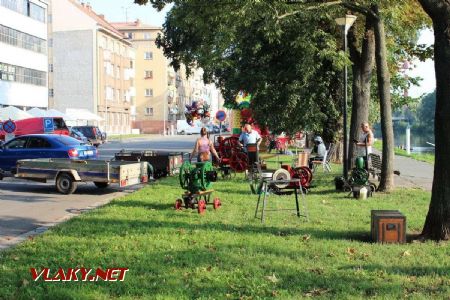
[
  {"x": 161, "y": 93},
  {"x": 93, "y": 66},
  {"x": 23, "y": 53},
  {"x": 151, "y": 80}
]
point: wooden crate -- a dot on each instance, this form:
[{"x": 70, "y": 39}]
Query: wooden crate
[{"x": 388, "y": 226}]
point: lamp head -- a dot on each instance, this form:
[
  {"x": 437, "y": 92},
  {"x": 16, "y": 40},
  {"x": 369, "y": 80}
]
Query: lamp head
[{"x": 346, "y": 22}]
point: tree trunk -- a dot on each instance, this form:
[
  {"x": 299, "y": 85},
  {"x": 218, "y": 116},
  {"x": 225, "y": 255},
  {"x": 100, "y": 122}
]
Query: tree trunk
[
  {"x": 384, "y": 86},
  {"x": 437, "y": 223},
  {"x": 362, "y": 67}
]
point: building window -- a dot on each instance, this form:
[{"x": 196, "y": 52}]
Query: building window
[
  {"x": 148, "y": 55},
  {"x": 148, "y": 92},
  {"x": 50, "y": 43},
  {"x": 149, "y": 111},
  {"x": 148, "y": 74},
  {"x": 118, "y": 72},
  {"x": 109, "y": 93},
  {"x": 22, "y": 40},
  {"x": 25, "y": 7},
  {"x": 51, "y": 92},
  {"x": 50, "y": 67},
  {"x": 147, "y": 36},
  {"x": 130, "y": 35},
  {"x": 22, "y": 75}
]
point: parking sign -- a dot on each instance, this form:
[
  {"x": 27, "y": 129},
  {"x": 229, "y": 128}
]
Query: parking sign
[{"x": 48, "y": 125}]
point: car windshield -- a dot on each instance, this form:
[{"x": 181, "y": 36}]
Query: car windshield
[{"x": 68, "y": 141}]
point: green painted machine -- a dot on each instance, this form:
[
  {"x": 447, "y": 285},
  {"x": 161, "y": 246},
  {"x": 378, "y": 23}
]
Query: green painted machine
[{"x": 197, "y": 181}]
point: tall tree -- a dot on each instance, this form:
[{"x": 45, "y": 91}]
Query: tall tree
[
  {"x": 437, "y": 223},
  {"x": 362, "y": 66}
]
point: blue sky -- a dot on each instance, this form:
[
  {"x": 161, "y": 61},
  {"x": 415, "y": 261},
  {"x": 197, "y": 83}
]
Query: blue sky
[{"x": 119, "y": 10}]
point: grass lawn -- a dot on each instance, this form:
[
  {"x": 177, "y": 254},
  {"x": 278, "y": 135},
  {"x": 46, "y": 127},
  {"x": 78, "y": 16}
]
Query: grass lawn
[
  {"x": 228, "y": 254},
  {"x": 426, "y": 157}
]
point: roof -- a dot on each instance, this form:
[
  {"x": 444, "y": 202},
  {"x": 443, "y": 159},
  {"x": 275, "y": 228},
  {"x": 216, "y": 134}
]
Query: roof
[
  {"x": 136, "y": 25},
  {"x": 100, "y": 19}
]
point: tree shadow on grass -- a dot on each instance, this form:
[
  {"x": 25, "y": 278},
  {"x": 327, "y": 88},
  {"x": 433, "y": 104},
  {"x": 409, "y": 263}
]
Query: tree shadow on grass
[{"x": 117, "y": 226}]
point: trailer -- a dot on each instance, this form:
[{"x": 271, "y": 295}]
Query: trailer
[
  {"x": 163, "y": 163},
  {"x": 68, "y": 172}
]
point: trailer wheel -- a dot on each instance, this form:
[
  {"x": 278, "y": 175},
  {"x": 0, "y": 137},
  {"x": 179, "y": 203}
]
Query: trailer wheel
[
  {"x": 101, "y": 185},
  {"x": 65, "y": 184}
]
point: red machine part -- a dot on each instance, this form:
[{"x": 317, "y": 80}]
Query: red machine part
[
  {"x": 217, "y": 203},
  {"x": 230, "y": 153},
  {"x": 178, "y": 204},
  {"x": 302, "y": 173},
  {"x": 201, "y": 206}
]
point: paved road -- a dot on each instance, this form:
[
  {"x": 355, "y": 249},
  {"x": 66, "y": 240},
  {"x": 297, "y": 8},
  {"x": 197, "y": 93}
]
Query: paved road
[
  {"x": 413, "y": 173},
  {"x": 28, "y": 208}
]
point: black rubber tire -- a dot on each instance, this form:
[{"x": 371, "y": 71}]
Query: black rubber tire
[
  {"x": 65, "y": 184},
  {"x": 101, "y": 185}
]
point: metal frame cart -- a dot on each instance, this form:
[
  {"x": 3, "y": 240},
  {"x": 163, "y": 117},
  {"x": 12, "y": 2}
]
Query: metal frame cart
[{"x": 269, "y": 185}]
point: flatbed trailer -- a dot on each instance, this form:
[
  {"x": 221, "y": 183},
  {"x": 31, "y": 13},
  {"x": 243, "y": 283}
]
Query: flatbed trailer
[
  {"x": 68, "y": 172},
  {"x": 163, "y": 163}
]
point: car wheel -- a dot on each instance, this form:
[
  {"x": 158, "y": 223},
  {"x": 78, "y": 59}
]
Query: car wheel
[
  {"x": 101, "y": 185},
  {"x": 65, "y": 184}
]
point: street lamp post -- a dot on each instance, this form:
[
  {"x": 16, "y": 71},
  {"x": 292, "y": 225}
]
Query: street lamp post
[{"x": 345, "y": 23}]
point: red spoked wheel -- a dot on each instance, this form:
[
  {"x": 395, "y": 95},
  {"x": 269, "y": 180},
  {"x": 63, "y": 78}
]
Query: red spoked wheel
[
  {"x": 178, "y": 204},
  {"x": 201, "y": 206},
  {"x": 304, "y": 174},
  {"x": 228, "y": 146},
  {"x": 238, "y": 162},
  {"x": 217, "y": 203}
]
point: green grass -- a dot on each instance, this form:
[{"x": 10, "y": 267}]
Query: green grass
[
  {"x": 425, "y": 157},
  {"x": 228, "y": 254}
]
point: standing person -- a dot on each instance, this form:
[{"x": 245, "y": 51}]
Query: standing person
[
  {"x": 364, "y": 143},
  {"x": 249, "y": 136},
  {"x": 204, "y": 147},
  {"x": 365, "y": 138}
]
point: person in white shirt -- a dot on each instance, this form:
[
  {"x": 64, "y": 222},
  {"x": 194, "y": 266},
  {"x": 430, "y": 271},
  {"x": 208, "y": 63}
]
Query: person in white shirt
[{"x": 249, "y": 136}]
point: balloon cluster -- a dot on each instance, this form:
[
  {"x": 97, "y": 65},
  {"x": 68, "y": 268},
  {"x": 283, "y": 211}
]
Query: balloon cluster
[
  {"x": 243, "y": 99},
  {"x": 196, "y": 111}
]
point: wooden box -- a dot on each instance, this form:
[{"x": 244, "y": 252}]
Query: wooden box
[{"x": 388, "y": 226}]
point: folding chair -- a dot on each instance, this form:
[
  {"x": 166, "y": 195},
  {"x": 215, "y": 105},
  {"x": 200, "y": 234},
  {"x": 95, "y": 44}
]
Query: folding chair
[{"x": 326, "y": 159}]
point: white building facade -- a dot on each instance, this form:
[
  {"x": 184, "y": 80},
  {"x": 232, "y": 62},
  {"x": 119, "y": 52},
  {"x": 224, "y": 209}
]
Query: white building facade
[
  {"x": 23, "y": 53},
  {"x": 93, "y": 66}
]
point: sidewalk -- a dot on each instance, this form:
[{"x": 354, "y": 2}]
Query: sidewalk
[{"x": 413, "y": 173}]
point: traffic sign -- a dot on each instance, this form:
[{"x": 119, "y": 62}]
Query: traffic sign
[
  {"x": 48, "y": 125},
  {"x": 9, "y": 126},
  {"x": 221, "y": 115}
]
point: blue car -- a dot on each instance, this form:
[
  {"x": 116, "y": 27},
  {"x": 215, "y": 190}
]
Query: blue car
[{"x": 43, "y": 146}]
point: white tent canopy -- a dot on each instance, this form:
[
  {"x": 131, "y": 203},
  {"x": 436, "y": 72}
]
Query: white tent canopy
[
  {"x": 56, "y": 113},
  {"x": 37, "y": 112},
  {"x": 82, "y": 114},
  {"x": 13, "y": 113},
  {"x": 51, "y": 113}
]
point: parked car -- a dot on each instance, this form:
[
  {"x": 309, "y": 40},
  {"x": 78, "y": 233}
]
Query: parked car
[
  {"x": 78, "y": 135},
  {"x": 92, "y": 133},
  {"x": 43, "y": 146}
]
